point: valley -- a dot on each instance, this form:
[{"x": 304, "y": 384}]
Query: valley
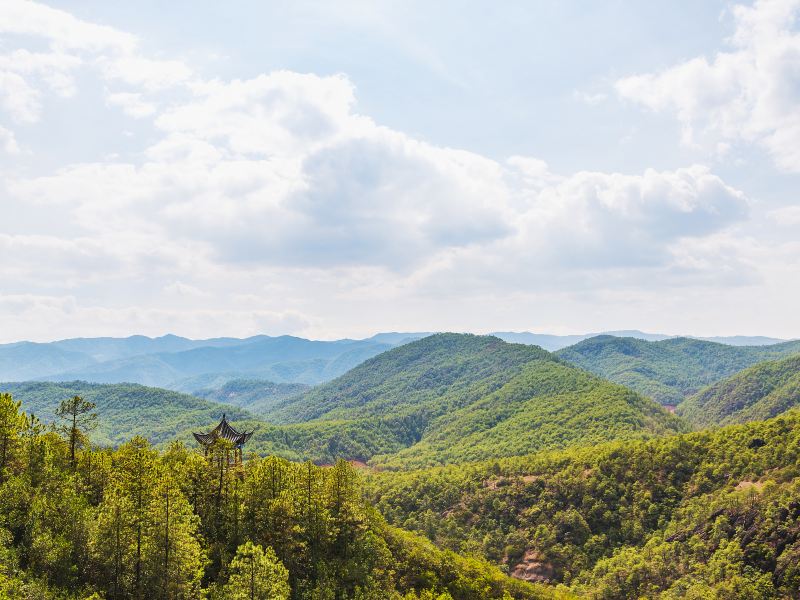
[{"x": 543, "y": 472}]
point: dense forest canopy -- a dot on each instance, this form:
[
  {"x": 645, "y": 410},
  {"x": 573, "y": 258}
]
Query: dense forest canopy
[
  {"x": 668, "y": 370},
  {"x": 138, "y": 523},
  {"x": 760, "y": 392},
  {"x": 711, "y": 514},
  {"x": 493, "y": 470},
  {"x": 445, "y": 398}
]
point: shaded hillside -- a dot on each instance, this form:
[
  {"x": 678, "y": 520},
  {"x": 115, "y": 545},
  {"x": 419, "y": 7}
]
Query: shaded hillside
[
  {"x": 669, "y": 370},
  {"x": 457, "y": 397},
  {"x": 760, "y": 392},
  {"x": 27, "y": 360},
  {"x": 255, "y": 395},
  {"x": 174, "y": 362},
  {"x": 125, "y": 410},
  {"x": 713, "y": 514},
  {"x": 280, "y": 359}
]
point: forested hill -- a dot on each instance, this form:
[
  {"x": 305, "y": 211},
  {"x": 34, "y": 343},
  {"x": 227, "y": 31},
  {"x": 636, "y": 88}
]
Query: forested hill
[
  {"x": 433, "y": 370},
  {"x": 712, "y": 514},
  {"x": 669, "y": 370},
  {"x": 86, "y": 524},
  {"x": 125, "y": 410},
  {"x": 760, "y": 392},
  {"x": 255, "y": 395},
  {"x": 457, "y": 397}
]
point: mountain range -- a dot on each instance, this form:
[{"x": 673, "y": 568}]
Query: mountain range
[
  {"x": 443, "y": 398},
  {"x": 558, "y": 468},
  {"x": 668, "y": 370},
  {"x": 188, "y": 365}
]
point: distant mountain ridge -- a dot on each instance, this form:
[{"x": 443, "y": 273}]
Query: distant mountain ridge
[
  {"x": 668, "y": 370},
  {"x": 557, "y": 342},
  {"x": 170, "y": 360},
  {"x": 175, "y": 362}
]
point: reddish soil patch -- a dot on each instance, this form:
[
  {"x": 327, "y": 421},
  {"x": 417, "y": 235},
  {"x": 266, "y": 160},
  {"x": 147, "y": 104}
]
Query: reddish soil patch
[{"x": 532, "y": 568}]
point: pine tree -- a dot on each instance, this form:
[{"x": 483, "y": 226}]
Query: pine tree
[
  {"x": 255, "y": 574},
  {"x": 78, "y": 419},
  {"x": 136, "y": 474},
  {"x": 174, "y": 559},
  {"x": 11, "y": 424}
]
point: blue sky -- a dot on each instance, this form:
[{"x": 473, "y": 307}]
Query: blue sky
[{"x": 337, "y": 169}]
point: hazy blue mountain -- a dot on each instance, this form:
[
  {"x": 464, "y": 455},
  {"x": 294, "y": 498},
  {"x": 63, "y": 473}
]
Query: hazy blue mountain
[
  {"x": 169, "y": 361},
  {"x": 557, "y": 342},
  {"x": 28, "y": 360},
  {"x": 743, "y": 340},
  {"x": 395, "y": 338},
  {"x": 109, "y": 348}
]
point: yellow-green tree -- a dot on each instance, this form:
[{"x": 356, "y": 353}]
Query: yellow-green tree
[{"x": 256, "y": 573}]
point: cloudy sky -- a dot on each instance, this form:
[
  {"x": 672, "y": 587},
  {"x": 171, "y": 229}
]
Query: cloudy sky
[{"x": 332, "y": 169}]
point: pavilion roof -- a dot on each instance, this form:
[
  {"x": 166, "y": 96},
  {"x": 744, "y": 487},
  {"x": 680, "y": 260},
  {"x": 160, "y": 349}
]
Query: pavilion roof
[{"x": 224, "y": 430}]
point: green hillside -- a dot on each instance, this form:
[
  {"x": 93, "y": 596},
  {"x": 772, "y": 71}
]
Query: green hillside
[
  {"x": 760, "y": 392},
  {"x": 138, "y": 523},
  {"x": 713, "y": 514},
  {"x": 254, "y": 395},
  {"x": 668, "y": 370},
  {"x": 445, "y": 398},
  {"x": 453, "y": 398},
  {"x": 125, "y": 410}
]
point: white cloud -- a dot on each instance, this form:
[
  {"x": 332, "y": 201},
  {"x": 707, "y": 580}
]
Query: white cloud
[
  {"x": 788, "y": 216},
  {"x": 132, "y": 104},
  {"x": 37, "y": 317},
  {"x": 8, "y": 141},
  {"x": 749, "y": 93},
  {"x": 23, "y": 17},
  {"x": 270, "y": 201}
]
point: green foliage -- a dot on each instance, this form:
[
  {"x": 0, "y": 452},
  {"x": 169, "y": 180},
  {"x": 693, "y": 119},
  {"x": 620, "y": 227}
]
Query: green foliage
[
  {"x": 124, "y": 410},
  {"x": 760, "y": 392},
  {"x": 445, "y": 398},
  {"x": 138, "y": 523},
  {"x": 669, "y": 370},
  {"x": 708, "y": 514},
  {"x": 256, "y": 573},
  {"x": 453, "y": 398},
  {"x": 254, "y": 395},
  {"x": 76, "y": 420}
]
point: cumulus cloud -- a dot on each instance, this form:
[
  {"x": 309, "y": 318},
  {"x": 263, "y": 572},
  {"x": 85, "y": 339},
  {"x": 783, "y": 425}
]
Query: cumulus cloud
[
  {"x": 36, "y": 317},
  {"x": 132, "y": 104},
  {"x": 257, "y": 204},
  {"x": 749, "y": 93},
  {"x": 8, "y": 141}
]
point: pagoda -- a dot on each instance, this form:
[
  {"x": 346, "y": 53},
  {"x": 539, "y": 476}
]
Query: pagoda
[{"x": 224, "y": 431}]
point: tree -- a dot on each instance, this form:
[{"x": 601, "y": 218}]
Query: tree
[
  {"x": 78, "y": 419},
  {"x": 113, "y": 544},
  {"x": 173, "y": 557},
  {"x": 256, "y": 573},
  {"x": 11, "y": 423},
  {"x": 136, "y": 462}
]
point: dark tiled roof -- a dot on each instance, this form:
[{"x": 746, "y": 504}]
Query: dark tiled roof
[{"x": 223, "y": 430}]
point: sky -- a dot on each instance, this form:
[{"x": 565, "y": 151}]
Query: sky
[{"x": 338, "y": 169}]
